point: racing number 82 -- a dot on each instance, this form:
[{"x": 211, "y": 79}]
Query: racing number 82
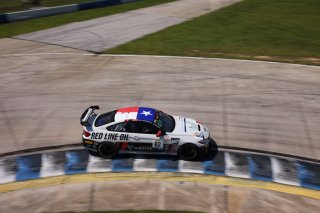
[{"x": 157, "y": 144}]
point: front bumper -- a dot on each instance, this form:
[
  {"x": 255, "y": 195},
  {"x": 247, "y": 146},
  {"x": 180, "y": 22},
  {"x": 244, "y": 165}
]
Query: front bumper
[
  {"x": 90, "y": 145},
  {"x": 204, "y": 145}
]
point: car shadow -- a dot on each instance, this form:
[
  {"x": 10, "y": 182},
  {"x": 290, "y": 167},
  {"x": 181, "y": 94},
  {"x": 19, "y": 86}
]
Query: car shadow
[{"x": 212, "y": 152}]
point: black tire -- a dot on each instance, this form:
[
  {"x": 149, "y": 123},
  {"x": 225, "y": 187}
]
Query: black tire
[
  {"x": 107, "y": 150},
  {"x": 212, "y": 144},
  {"x": 188, "y": 152}
]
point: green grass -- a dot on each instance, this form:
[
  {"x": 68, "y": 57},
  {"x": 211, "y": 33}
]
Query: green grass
[
  {"x": 276, "y": 30},
  {"x": 10, "y": 6},
  {"x": 16, "y": 28},
  {"x": 7, "y": 6}
]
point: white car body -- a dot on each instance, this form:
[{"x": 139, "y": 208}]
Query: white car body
[{"x": 142, "y": 130}]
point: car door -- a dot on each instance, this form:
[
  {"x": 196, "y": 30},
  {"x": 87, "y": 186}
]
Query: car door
[
  {"x": 143, "y": 137},
  {"x": 118, "y": 133}
]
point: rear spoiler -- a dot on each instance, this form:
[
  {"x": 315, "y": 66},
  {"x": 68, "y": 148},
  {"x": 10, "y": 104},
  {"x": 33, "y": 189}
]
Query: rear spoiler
[{"x": 87, "y": 114}]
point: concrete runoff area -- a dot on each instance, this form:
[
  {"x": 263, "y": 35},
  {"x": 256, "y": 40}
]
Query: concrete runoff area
[
  {"x": 258, "y": 105},
  {"x": 137, "y": 195},
  {"x": 103, "y": 33}
]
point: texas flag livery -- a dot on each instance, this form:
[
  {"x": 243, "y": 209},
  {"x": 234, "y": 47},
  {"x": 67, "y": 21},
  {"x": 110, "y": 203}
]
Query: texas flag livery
[{"x": 139, "y": 113}]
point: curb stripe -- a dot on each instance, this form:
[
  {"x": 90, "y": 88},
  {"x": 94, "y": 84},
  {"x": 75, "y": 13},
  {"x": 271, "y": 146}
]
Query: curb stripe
[{"x": 226, "y": 163}]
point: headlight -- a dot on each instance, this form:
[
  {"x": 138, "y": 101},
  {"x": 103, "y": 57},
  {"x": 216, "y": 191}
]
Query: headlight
[
  {"x": 198, "y": 134},
  {"x": 204, "y": 142}
]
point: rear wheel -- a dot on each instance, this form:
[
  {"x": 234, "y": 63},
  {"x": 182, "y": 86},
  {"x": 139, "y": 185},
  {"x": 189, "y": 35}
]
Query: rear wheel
[
  {"x": 188, "y": 152},
  {"x": 107, "y": 150}
]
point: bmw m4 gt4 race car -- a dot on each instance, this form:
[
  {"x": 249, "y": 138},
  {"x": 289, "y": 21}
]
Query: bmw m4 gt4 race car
[{"x": 143, "y": 130}]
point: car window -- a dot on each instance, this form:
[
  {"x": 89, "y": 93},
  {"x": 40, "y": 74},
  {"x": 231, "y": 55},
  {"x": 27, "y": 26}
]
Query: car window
[
  {"x": 105, "y": 118},
  {"x": 144, "y": 128},
  {"x": 119, "y": 127},
  {"x": 165, "y": 122}
]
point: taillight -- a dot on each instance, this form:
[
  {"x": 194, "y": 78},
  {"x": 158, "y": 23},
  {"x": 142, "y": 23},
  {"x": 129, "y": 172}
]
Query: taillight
[{"x": 85, "y": 133}]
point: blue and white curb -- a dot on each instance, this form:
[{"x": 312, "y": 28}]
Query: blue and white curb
[
  {"x": 226, "y": 163},
  {"x": 284, "y": 171},
  {"x": 50, "y": 11}
]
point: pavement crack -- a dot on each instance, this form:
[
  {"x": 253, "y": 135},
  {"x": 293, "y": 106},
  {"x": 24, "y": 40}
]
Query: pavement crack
[
  {"x": 304, "y": 121},
  {"x": 100, "y": 40},
  {"x": 161, "y": 199},
  {"x": 92, "y": 192},
  {"x": 9, "y": 126},
  {"x": 224, "y": 112},
  {"x": 226, "y": 199}
]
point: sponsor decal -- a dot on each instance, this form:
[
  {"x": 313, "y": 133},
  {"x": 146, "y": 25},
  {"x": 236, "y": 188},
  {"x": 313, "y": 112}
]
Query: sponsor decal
[
  {"x": 96, "y": 135},
  {"x": 110, "y": 136},
  {"x": 139, "y": 147},
  {"x": 175, "y": 139},
  {"x": 157, "y": 121},
  {"x": 142, "y": 148}
]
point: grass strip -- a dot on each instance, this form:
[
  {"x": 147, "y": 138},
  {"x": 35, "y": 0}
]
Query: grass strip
[
  {"x": 273, "y": 30},
  {"x": 27, "y": 26}
]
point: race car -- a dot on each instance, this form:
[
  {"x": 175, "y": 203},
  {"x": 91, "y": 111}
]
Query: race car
[{"x": 143, "y": 130}]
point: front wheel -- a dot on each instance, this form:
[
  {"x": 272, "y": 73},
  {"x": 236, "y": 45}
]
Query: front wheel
[
  {"x": 107, "y": 150},
  {"x": 188, "y": 152}
]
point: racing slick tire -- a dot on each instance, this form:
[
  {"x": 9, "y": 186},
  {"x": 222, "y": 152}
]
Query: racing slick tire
[
  {"x": 188, "y": 152},
  {"x": 107, "y": 150}
]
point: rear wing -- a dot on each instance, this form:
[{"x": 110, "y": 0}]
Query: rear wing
[{"x": 87, "y": 114}]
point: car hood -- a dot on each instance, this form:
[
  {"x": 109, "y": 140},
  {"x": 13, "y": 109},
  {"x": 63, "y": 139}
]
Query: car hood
[{"x": 190, "y": 126}]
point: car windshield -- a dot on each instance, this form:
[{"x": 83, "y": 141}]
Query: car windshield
[{"x": 165, "y": 122}]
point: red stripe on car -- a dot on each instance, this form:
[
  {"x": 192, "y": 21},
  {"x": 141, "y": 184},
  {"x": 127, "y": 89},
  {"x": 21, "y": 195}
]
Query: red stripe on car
[
  {"x": 124, "y": 146},
  {"x": 129, "y": 109}
]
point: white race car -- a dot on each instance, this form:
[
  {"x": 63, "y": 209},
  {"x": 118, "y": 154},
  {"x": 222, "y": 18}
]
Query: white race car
[{"x": 143, "y": 130}]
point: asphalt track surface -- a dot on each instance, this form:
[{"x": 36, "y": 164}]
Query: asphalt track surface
[
  {"x": 103, "y": 33},
  {"x": 259, "y": 105}
]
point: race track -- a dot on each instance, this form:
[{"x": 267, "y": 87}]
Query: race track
[{"x": 259, "y": 105}]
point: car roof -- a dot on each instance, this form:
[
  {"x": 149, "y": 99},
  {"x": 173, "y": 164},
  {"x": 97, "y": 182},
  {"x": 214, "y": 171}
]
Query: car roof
[{"x": 135, "y": 113}]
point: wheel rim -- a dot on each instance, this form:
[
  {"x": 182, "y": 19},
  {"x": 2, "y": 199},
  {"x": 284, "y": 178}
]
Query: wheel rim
[{"x": 106, "y": 149}]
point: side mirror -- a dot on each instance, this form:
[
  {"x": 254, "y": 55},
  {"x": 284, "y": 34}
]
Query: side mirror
[{"x": 159, "y": 133}]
